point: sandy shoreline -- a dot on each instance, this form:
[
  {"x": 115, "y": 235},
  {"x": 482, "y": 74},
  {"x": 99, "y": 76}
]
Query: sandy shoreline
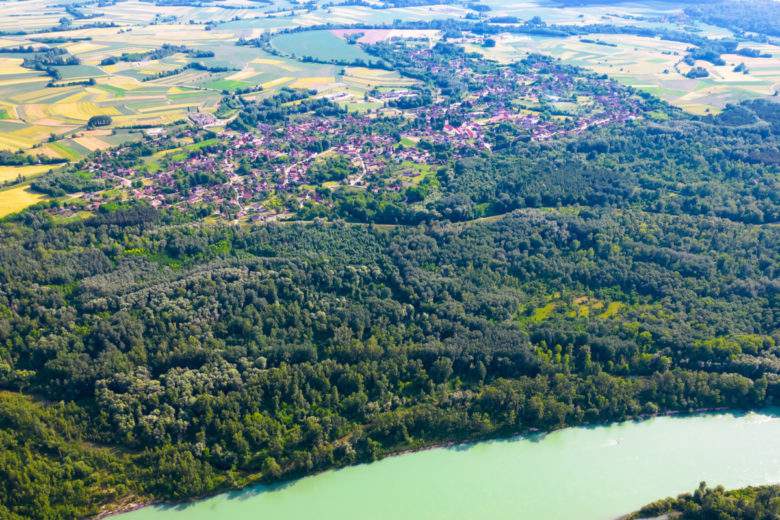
[{"x": 118, "y": 509}]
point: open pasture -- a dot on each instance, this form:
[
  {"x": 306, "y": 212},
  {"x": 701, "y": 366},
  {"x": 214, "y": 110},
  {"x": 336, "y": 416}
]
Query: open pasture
[{"x": 321, "y": 45}]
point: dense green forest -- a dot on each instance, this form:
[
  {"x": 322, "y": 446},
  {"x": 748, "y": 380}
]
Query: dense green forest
[
  {"x": 752, "y": 503},
  {"x": 215, "y": 354}
]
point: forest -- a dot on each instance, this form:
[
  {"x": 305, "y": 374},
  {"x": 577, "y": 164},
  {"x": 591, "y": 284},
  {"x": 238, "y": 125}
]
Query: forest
[
  {"x": 752, "y": 503},
  {"x": 758, "y": 16},
  {"x": 217, "y": 355}
]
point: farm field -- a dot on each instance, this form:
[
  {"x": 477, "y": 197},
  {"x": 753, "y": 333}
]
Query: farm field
[
  {"x": 15, "y": 199},
  {"x": 643, "y": 14},
  {"x": 320, "y": 45},
  {"x": 360, "y": 14},
  {"x": 11, "y": 173},
  {"x": 655, "y": 66}
]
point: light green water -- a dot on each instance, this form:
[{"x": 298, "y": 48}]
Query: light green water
[{"x": 576, "y": 473}]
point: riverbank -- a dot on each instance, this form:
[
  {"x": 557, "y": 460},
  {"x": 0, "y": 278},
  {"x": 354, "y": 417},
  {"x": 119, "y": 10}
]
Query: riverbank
[{"x": 532, "y": 437}]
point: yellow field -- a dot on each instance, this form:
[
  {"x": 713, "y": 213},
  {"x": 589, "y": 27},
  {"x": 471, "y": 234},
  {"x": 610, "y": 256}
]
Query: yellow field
[
  {"x": 9, "y": 109},
  {"x": 56, "y": 151},
  {"x": 312, "y": 82},
  {"x": 123, "y": 82},
  {"x": 19, "y": 81},
  {"x": 154, "y": 119},
  {"x": 242, "y": 74},
  {"x": 276, "y": 63},
  {"x": 158, "y": 97},
  {"x": 13, "y": 66},
  {"x": 83, "y": 47},
  {"x": 92, "y": 143},
  {"x": 163, "y": 108},
  {"x": 119, "y": 67},
  {"x": 24, "y": 137},
  {"x": 32, "y": 112},
  {"x": 361, "y": 78},
  {"x": 11, "y": 173},
  {"x": 16, "y": 199},
  {"x": 190, "y": 77},
  {"x": 276, "y": 82},
  {"x": 77, "y": 96},
  {"x": 8, "y": 42},
  {"x": 80, "y": 111},
  {"x": 267, "y": 61}
]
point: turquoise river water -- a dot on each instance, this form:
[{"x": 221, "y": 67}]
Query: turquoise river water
[{"x": 576, "y": 473}]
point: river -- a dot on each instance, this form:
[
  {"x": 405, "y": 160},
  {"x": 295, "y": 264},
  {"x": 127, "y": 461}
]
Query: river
[{"x": 576, "y": 473}]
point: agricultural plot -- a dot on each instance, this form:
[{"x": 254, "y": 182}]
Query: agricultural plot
[
  {"x": 29, "y": 16},
  {"x": 642, "y": 14},
  {"x": 255, "y": 26},
  {"x": 23, "y": 136},
  {"x": 273, "y": 72},
  {"x": 356, "y": 82},
  {"x": 655, "y": 66},
  {"x": 126, "y": 91},
  {"x": 23, "y": 173},
  {"x": 14, "y": 200},
  {"x": 321, "y": 45},
  {"x": 65, "y": 149},
  {"x": 360, "y": 14}
]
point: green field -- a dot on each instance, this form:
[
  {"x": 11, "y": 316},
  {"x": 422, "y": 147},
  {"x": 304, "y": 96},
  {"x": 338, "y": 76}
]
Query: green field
[{"x": 321, "y": 45}]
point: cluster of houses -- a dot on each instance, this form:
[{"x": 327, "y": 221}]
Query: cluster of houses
[
  {"x": 530, "y": 99},
  {"x": 265, "y": 173}
]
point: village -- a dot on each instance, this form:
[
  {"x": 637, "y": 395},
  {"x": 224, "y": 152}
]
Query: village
[{"x": 264, "y": 173}]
